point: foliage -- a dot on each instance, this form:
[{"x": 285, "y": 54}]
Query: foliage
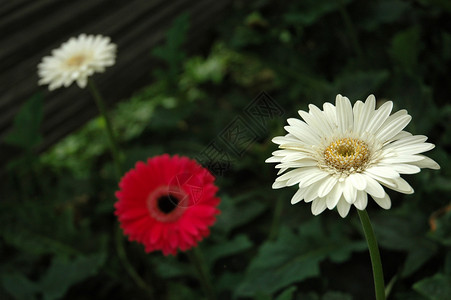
[{"x": 57, "y": 228}]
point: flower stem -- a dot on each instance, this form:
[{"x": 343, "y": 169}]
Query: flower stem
[
  {"x": 197, "y": 259},
  {"x": 109, "y": 129},
  {"x": 376, "y": 263},
  {"x": 118, "y": 163},
  {"x": 127, "y": 265}
]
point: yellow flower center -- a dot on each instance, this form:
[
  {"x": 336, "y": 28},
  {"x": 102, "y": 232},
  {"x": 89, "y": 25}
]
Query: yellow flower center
[
  {"x": 346, "y": 154},
  {"x": 76, "y": 60}
]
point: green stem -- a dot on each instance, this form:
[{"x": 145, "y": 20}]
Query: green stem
[
  {"x": 376, "y": 263},
  {"x": 117, "y": 161},
  {"x": 351, "y": 32},
  {"x": 109, "y": 129},
  {"x": 197, "y": 259},
  {"x": 127, "y": 265}
]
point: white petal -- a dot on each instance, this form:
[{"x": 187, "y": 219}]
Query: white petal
[
  {"x": 427, "y": 162},
  {"x": 311, "y": 192},
  {"x": 343, "y": 207},
  {"x": 414, "y": 149},
  {"x": 405, "y": 168},
  {"x": 330, "y": 111},
  {"x": 312, "y": 177},
  {"x": 402, "y": 186},
  {"x": 295, "y": 156},
  {"x": 362, "y": 200},
  {"x": 385, "y": 172},
  {"x": 293, "y": 173},
  {"x": 282, "y": 170},
  {"x": 298, "y": 164},
  {"x": 358, "y": 120},
  {"x": 390, "y": 182},
  {"x": 402, "y": 159},
  {"x": 407, "y": 140},
  {"x": 320, "y": 120},
  {"x": 286, "y": 139},
  {"x": 373, "y": 187},
  {"x": 279, "y": 184},
  {"x": 298, "y": 196},
  {"x": 318, "y": 206},
  {"x": 327, "y": 186},
  {"x": 349, "y": 193},
  {"x": 334, "y": 195},
  {"x": 379, "y": 117},
  {"x": 401, "y": 135},
  {"x": 392, "y": 129},
  {"x": 367, "y": 112},
  {"x": 303, "y": 132},
  {"x": 345, "y": 118},
  {"x": 357, "y": 180},
  {"x": 273, "y": 159},
  {"x": 383, "y": 202}
]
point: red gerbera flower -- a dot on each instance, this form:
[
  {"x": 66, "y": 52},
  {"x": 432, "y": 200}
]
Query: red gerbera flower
[{"x": 167, "y": 203}]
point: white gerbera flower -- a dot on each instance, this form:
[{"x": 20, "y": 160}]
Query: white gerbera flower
[
  {"x": 341, "y": 154},
  {"x": 76, "y": 60}
]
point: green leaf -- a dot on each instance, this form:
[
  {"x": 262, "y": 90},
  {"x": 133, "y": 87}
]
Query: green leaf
[
  {"x": 405, "y": 49},
  {"x": 237, "y": 245},
  {"x": 18, "y": 286},
  {"x": 437, "y": 287},
  {"x": 171, "y": 52},
  {"x": 63, "y": 273},
  {"x": 34, "y": 243},
  {"x": 289, "y": 259},
  {"x": 228, "y": 281},
  {"x": 170, "y": 267},
  {"x": 336, "y": 296},
  {"x": 287, "y": 294},
  {"x": 384, "y": 12},
  {"x": 177, "y": 291},
  {"x": 25, "y": 132},
  {"x": 405, "y": 233},
  {"x": 238, "y": 212}
]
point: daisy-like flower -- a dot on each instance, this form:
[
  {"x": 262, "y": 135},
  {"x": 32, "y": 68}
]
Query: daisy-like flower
[
  {"x": 342, "y": 153},
  {"x": 167, "y": 203},
  {"x": 76, "y": 60}
]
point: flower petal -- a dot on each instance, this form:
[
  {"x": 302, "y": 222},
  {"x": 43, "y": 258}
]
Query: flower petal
[
  {"x": 357, "y": 180},
  {"x": 383, "y": 202},
  {"x": 318, "y": 206},
  {"x": 345, "y": 118},
  {"x": 334, "y": 196},
  {"x": 362, "y": 200},
  {"x": 327, "y": 186},
  {"x": 350, "y": 193},
  {"x": 373, "y": 187},
  {"x": 384, "y": 172},
  {"x": 343, "y": 207},
  {"x": 298, "y": 196}
]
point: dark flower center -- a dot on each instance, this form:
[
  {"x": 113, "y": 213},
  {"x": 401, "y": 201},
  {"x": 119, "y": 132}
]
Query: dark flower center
[{"x": 167, "y": 203}]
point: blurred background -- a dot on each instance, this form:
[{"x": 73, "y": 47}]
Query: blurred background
[{"x": 215, "y": 81}]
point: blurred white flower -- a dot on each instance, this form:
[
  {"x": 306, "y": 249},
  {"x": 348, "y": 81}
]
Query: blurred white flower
[
  {"x": 76, "y": 60},
  {"x": 341, "y": 154}
]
